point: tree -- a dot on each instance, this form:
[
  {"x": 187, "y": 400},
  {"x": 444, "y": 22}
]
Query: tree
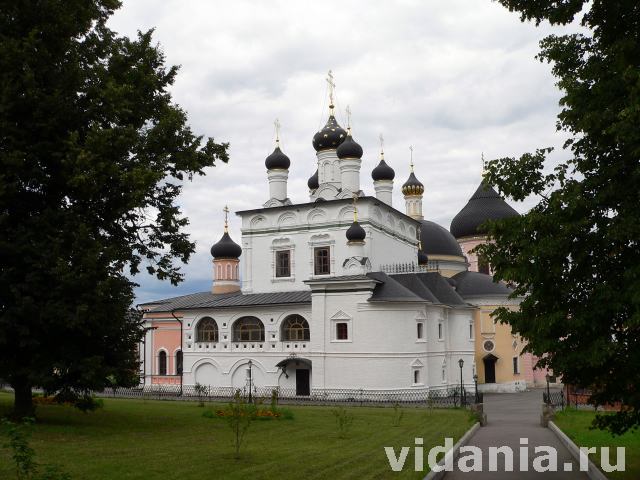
[
  {"x": 93, "y": 155},
  {"x": 575, "y": 257}
]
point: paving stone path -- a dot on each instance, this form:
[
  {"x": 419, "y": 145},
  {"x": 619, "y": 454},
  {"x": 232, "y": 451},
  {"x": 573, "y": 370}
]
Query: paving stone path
[{"x": 511, "y": 417}]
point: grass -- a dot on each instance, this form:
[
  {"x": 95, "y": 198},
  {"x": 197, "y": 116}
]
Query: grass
[
  {"x": 576, "y": 423},
  {"x": 137, "y": 439}
]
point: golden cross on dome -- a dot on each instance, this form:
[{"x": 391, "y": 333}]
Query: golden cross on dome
[
  {"x": 411, "y": 156},
  {"x": 332, "y": 86},
  {"x": 348, "y": 109},
  {"x": 276, "y": 124},
  {"x": 226, "y": 218},
  {"x": 484, "y": 164},
  {"x": 381, "y": 137},
  {"x": 355, "y": 207}
]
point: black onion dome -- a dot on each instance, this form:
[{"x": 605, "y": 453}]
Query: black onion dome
[
  {"x": 349, "y": 148},
  {"x": 313, "y": 183},
  {"x": 226, "y": 248},
  {"x": 423, "y": 259},
  {"x": 412, "y": 186},
  {"x": 485, "y": 204},
  {"x": 383, "y": 172},
  {"x": 356, "y": 233},
  {"x": 277, "y": 160},
  {"x": 330, "y": 136},
  {"x": 437, "y": 240}
]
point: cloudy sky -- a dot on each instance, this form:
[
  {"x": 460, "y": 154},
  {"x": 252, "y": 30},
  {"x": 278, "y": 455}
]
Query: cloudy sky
[{"x": 453, "y": 79}]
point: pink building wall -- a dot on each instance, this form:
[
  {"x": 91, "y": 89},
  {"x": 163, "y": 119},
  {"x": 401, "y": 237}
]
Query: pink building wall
[{"x": 166, "y": 338}]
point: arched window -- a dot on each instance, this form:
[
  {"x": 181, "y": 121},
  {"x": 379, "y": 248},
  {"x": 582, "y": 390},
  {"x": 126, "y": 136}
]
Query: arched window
[
  {"x": 162, "y": 363},
  {"x": 207, "y": 330},
  {"x": 179, "y": 362},
  {"x": 248, "y": 329},
  {"x": 295, "y": 328}
]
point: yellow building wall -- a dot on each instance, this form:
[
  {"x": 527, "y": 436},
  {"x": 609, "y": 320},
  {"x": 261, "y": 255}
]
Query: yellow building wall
[{"x": 487, "y": 329}]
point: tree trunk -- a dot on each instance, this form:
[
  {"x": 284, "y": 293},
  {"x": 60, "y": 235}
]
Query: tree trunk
[{"x": 23, "y": 402}]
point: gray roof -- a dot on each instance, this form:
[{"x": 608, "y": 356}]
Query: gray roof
[
  {"x": 428, "y": 287},
  {"x": 227, "y": 300},
  {"x": 475, "y": 284}
]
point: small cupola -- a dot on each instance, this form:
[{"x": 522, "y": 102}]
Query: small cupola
[
  {"x": 313, "y": 183},
  {"x": 226, "y": 261},
  {"x": 277, "y": 160}
]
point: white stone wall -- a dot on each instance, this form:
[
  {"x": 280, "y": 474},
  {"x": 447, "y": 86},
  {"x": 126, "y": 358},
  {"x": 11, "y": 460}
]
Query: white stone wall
[{"x": 391, "y": 238}]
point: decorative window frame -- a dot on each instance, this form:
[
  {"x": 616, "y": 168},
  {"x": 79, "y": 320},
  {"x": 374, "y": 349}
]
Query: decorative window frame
[
  {"x": 322, "y": 240},
  {"x": 157, "y": 359},
  {"x": 441, "y": 332},
  {"x": 444, "y": 370},
  {"x": 421, "y": 319},
  {"x": 472, "y": 330},
  {"x": 341, "y": 317},
  {"x": 279, "y": 245},
  {"x": 417, "y": 366}
]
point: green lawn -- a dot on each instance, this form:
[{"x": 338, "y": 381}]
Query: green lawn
[
  {"x": 576, "y": 423},
  {"x": 137, "y": 439}
]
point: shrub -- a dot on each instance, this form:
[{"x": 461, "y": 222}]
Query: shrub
[
  {"x": 398, "y": 413},
  {"x": 344, "y": 420},
  {"x": 24, "y": 456}
]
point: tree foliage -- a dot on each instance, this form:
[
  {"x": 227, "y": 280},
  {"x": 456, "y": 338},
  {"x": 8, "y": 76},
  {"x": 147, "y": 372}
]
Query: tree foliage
[
  {"x": 575, "y": 256},
  {"x": 93, "y": 155}
]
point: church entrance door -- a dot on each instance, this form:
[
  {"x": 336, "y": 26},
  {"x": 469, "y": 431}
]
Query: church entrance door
[
  {"x": 490, "y": 368},
  {"x": 302, "y": 381}
]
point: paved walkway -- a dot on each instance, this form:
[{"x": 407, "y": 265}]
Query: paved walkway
[{"x": 512, "y": 416}]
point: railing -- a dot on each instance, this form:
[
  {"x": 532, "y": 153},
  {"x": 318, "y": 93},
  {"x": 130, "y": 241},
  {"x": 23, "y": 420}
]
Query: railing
[
  {"x": 443, "y": 398},
  {"x": 410, "y": 267}
]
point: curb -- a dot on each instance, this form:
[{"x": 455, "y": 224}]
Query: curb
[
  {"x": 455, "y": 452},
  {"x": 593, "y": 472}
]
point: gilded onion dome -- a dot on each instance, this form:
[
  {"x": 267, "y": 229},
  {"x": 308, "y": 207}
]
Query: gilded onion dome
[{"x": 412, "y": 186}]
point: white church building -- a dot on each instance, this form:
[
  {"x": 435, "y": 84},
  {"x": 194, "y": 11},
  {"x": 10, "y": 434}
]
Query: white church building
[{"x": 345, "y": 291}]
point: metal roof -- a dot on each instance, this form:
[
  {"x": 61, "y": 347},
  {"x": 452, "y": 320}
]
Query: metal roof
[{"x": 227, "y": 300}]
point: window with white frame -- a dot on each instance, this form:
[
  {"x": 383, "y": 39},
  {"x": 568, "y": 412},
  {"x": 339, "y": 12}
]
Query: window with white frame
[
  {"x": 416, "y": 377},
  {"x": 471, "y": 334},
  {"x": 342, "y": 331},
  {"x": 420, "y": 330},
  {"x": 516, "y": 366},
  {"x": 322, "y": 261},
  {"x": 283, "y": 263},
  {"x": 440, "y": 331},
  {"x": 444, "y": 374}
]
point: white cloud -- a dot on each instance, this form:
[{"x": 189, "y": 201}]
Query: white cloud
[{"x": 453, "y": 78}]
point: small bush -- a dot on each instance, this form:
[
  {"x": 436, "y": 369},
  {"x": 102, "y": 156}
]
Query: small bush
[
  {"x": 24, "y": 456},
  {"x": 398, "y": 413},
  {"x": 344, "y": 420}
]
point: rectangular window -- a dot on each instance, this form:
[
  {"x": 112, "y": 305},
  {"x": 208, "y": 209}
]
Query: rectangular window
[
  {"x": 471, "y": 331},
  {"x": 516, "y": 367},
  {"x": 439, "y": 331},
  {"x": 444, "y": 375},
  {"x": 283, "y": 263},
  {"x": 420, "y": 332},
  {"x": 321, "y": 265},
  {"x": 342, "y": 332},
  {"x": 416, "y": 376}
]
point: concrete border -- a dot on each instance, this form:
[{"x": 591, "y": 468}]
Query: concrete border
[
  {"x": 455, "y": 452},
  {"x": 593, "y": 472}
]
